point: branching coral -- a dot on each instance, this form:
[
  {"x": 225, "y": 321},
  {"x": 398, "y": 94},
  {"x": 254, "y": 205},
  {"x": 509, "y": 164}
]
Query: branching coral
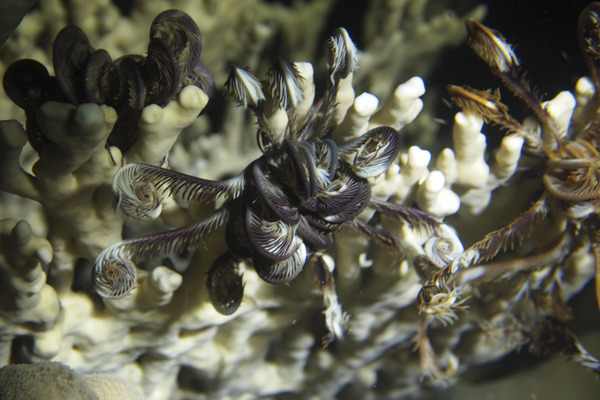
[
  {"x": 71, "y": 178},
  {"x": 164, "y": 336},
  {"x": 389, "y": 28},
  {"x": 26, "y": 298}
]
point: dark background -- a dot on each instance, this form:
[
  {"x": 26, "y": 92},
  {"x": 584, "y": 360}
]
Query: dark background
[
  {"x": 543, "y": 32},
  {"x": 545, "y": 37}
]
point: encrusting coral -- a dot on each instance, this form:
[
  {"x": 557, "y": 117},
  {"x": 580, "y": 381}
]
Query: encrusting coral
[
  {"x": 48, "y": 380},
  {"x": 177, "y": 326}
]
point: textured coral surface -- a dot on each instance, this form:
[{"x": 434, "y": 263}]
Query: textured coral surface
[{"x": 165, "y": 340}]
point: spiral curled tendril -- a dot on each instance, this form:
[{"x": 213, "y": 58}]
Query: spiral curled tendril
[
  {"x": 443, "y": 248},
  {"x": 137, "y": 196},
  {"x": 114, "y": 274},
  {"x": 114, "y": 271},
  {"x": 142, "y": 188}
]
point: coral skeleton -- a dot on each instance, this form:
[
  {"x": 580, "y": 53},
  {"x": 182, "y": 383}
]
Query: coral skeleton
[{"x": 298, "y": 247}]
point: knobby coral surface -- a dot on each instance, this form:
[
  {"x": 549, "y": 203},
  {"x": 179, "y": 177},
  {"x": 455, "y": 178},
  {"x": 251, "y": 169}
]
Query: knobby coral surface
[{"x": 103, "y": 136}]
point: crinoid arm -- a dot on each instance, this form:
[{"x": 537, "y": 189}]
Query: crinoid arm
[
  {"x": 336, "y": 320},
  {"x": 440, "y": 295},
  {"x": 343, "y": 61},
  {"x": 244, "y": 88},
  {"x": 552, "y": 337},
  {"x": 380, "y": 236},
  {"x": 284, "y": 82},
  {"x": 343, "y": 55},
  {"x": 224, "y": 284},
  {"x": 275, "y": 197},
  {"x": 495, "y": 271},
  {"x": 274, "y": 240},
  {"x": 413, "y": 216},
  {"x": 374, "y": 151},
  {"x": 182, "y": 35},
  {"x": 344, "y": 199},
  {"x": 588, "y": 28},
  {"x": 141, "y": 188},
  {"x": 506, "y": 237},
  {"x": 71, "y": 50},
  {"x": 492, "y": 110},
  {"x": 497, "y": 53},
  {"x": 114, "y": 269},
  {"x": 573, "y": 180},
  {"x": 283, "y": 271}
]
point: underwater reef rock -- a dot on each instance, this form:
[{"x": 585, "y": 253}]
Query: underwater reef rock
[{"x": 137, "y": 242}]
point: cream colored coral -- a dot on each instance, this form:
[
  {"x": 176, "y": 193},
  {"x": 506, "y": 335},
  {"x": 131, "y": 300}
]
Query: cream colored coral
[
  {"x": 435, "y": 198},
  {"x": 15, "y": 180},
  {"x": 401, "y": 179},
  {"x": 345, "y": 98},
  {"x": 507, "y": 157},
  {"x": 465, "y": 165},
  {"x": 110, "y": 387},
  {"x": 166, "y": 338},
  {"x": 446, "y": 163},
  {"x": 403, "y": 107},
  {"x": 53, "y": 380},
  {"x": 560, "y": 109},
  {"x": 26, "y": 299},
  {"x": 356, "y": 120},
  {"x": 160, "y": 126},
  {"x": 307, "y": 86},
  {"x": 157, "y": 289},
  {"x": 43, "y": 381},
  {"x": 469, "y": 146},
  {"x": 72, "y": 181},
  {"x": 585, "y": 109},
  {"x": 401, "y": 38}
]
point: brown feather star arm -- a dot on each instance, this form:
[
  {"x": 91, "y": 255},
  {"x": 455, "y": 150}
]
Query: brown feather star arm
[
  {"x": 496, "y": 271},
  {"x": 503, "y": 238},
  {"x": 492, "y": 110},
  {"x": 497, "y": 53}
]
